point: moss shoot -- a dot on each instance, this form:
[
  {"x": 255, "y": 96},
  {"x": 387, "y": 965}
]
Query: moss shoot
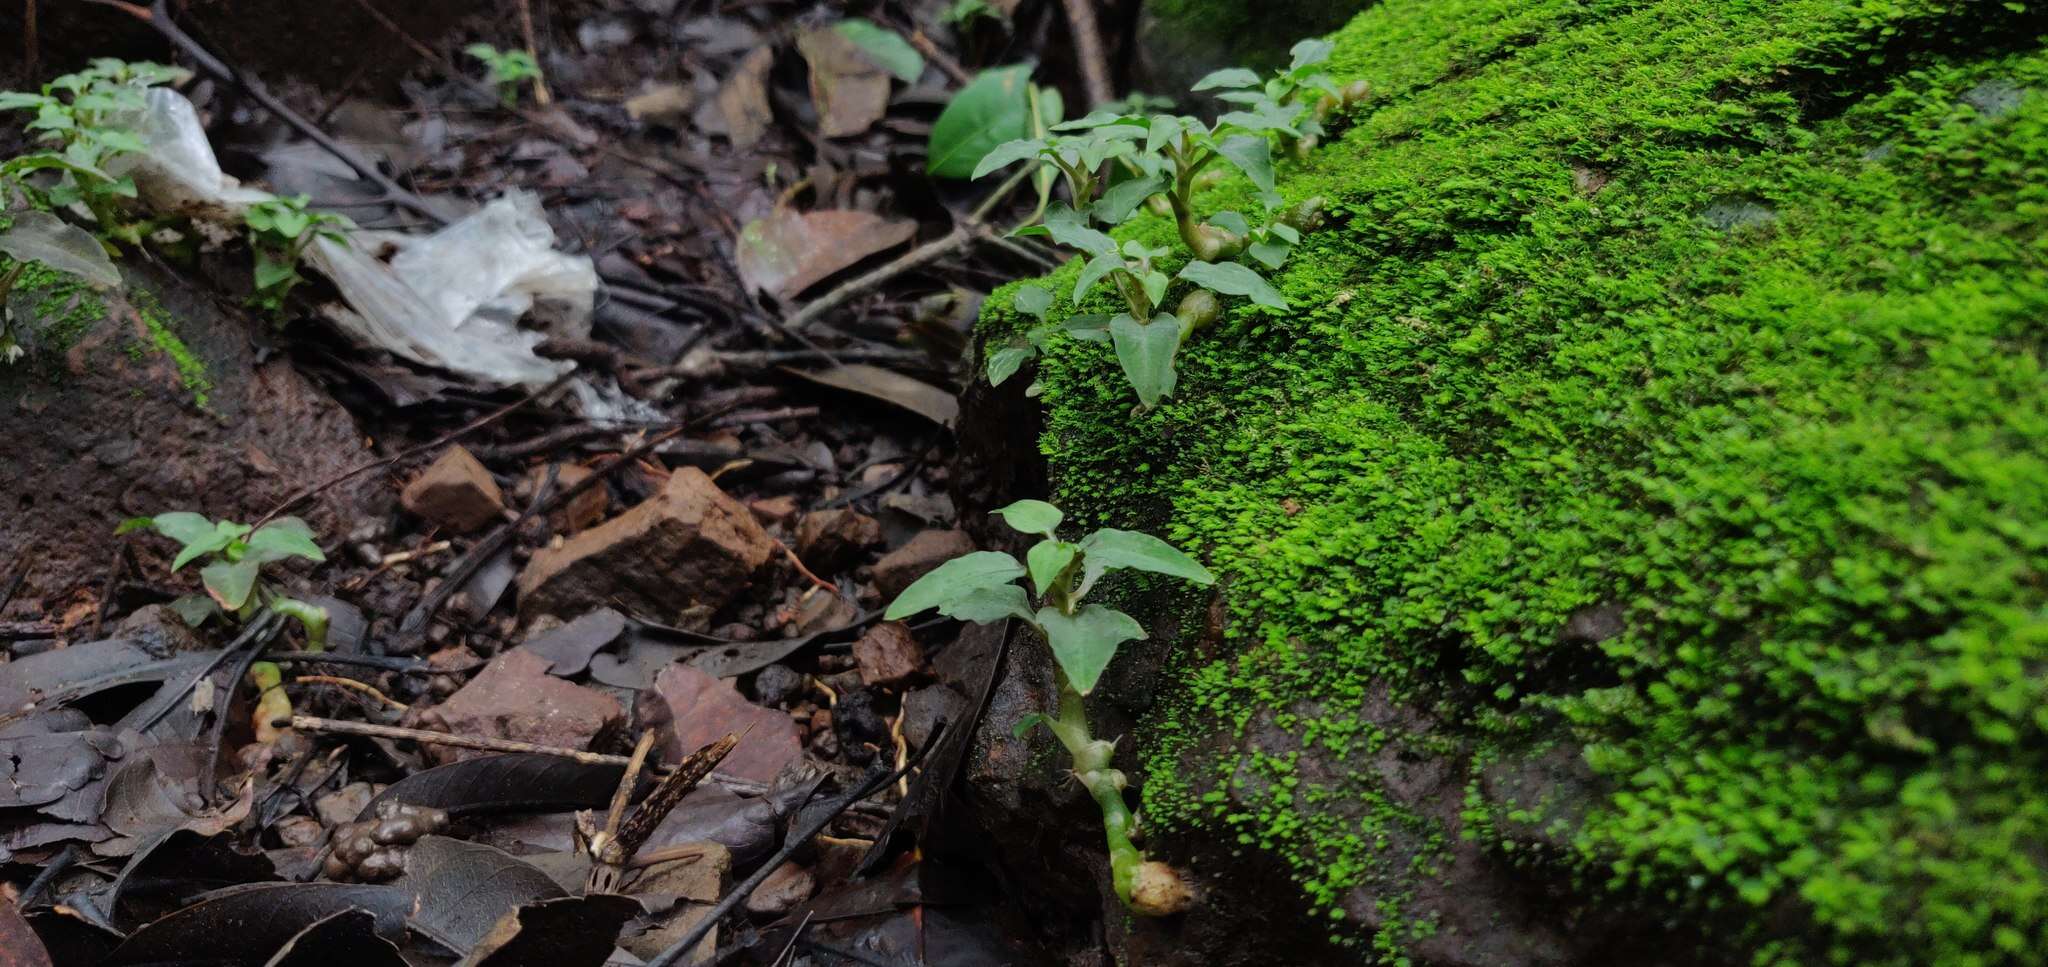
[{"x": 1724, "y": 317}]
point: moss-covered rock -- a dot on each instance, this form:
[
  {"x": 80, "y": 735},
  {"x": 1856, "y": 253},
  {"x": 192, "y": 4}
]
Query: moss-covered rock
[{"x": 1641, "y": 518}]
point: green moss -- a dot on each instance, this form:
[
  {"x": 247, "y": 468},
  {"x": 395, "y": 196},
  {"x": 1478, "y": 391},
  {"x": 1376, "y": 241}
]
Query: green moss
[
  {"x": 191, "y": 369},
  {"x": 1726, "y": 315},
  {"x": 65, "y": 308}
]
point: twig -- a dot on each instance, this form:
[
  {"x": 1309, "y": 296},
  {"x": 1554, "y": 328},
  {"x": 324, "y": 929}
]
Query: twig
[
  {"x": 822, "y": 584},
  {"x": 28, "y": 630},
  {"x": 31, "y": 47},
  {"x": 797, "y": 840},
  {"x": 364, "y": 687},
  {"x": 407, "y": 454},
  {"x": 99, "y": 614},
  {"x": 402, "y": 666},
  {"x": 540, "y": 84},
  {"x": 264, "y": 624},
  {"x": 312, "y": 723},
  {"x": 969, "y": 230},
  {"x": 1088, "y": 50},
  {"x": 750, "y": 417},
  {"x": 47, "y": 877},
  {"x": 945, "y": 61},
  {"x": 220, "y": 714}
]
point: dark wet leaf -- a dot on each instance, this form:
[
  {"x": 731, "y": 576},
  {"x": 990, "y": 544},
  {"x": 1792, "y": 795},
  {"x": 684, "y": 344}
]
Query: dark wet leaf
[
  {"x": 516, "y": 782},
  {"x": 346, "y": 939},
  {"x": 788, "y": 252},
  {"x": 166, "y": 872},
  {"x": 82, "y": 670},
  {"x": 37, "y": 770},
  {"x": 744, "y": 657},
  {"x": 19, "y": 945},
  {"x": 573, "y": 931},
  {"x": 989, "y": 111},
  {"x": 70, "y": 939},
  {"x": 571, "y": 646},
  {"x": 461, "y": 889},
  {"x": 162, "y": 789},
  {"x": 260, "y": 919},
  {"x": 917, "y": 396}
]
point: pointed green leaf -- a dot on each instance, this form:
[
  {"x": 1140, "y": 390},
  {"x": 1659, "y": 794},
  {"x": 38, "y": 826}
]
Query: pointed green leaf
[
  {"x": 1227, "y": 77},
  {"x": 285, "y": 537},
  {"x": 184, "y": 526},
  {"x": 1069, "y": 228},
  {"x": 1162, "y": 131},
  {"x": 1032, "y": 300},
  {"x": 1108, "y": 549},
  {"x": 1084, "y": 642},
  {"x": 1145, "y": 351},
  {"x": 1031, "y": 517},
  {"x": 194, "y": 609},
  {"x": 1027, "y": 723},
  {"x": 1093, "y": 327},
  {"x": 230, "y": 584},
  {"x": 1008, "y": 153},
  {"x": 1154, "y": 284},
  {"x": 885, "y": 47},
  {"x": 989, "y": 605},
  {"x": 1094, "y": 270},
  {"x": 1309, "y": 53},
  {"x": 1269, "y": 253},
  {"x": 1252, "y": 155},
  {"x": 954, "y": 580},
  {"x": 1004, "y": 363},
  {"x": 133, "y": 524},
  {"x": 990, "y": 110},
  {"x": 1118, "y": 201},
  {"x": 1231, "y": 278},
  {"x": 1047, "y": 559}
]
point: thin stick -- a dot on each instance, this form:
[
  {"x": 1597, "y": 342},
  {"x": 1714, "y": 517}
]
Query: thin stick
[
  {"x": 945, "y": 61},
  {"x": 796, "y": 841},
  {"x": 1088, "y": 50},
  {"x": 364, "y": 687},
  {"x": 31, "y": 47},
  {"x": 540, "y": 84},
  {"x": 823, "y": 585},
  {"x": 410, "y": 452},
  {"x": 312, "y": 723}
]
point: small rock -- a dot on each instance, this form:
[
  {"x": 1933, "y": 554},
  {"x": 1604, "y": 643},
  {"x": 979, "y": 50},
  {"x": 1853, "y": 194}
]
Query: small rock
[
  {"x": 689, "y": 546},
  {"x": 898, "y": 568},
  {"x": 585, "y": 510},
  {"x": 159, "y": 630},
  {"x": 858, "y": 723},
  {"x": 702, "y": 709},
  {"x": 829, "y": 540},
  {"x": 300, "y": 831},
  {"x": 455, "y": 492},
  {"x": 775, "y": 685},
  {"x": 889, "y": 655},
  {"x": 788, "y": 886},
  {"x": 514, "y": 697},
  {"x": 924, "y": 707},
  {"x": 773, "y": 510},
  {"x": 345, "y": 804}
]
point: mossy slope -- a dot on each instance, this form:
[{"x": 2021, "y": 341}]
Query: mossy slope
[{"x": 1721, "y": 318}]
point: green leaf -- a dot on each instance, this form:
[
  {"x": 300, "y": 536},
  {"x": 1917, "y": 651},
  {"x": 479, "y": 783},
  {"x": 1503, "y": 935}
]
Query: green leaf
[
  {"x": 1227, "y": 77},
  {"x": 1269, "y": 253},
  {"x": 230, "y": 584},
  {"x": 184, "y": 526},
  {"x": 1231, "y": 278},
  {"x": 1027, "y": 723},
  {"x": 1154, "y": 284},
  {"x": 1145, "y": 351},
  {"x": 133, "y": 524},
  {"x": 1067, "y": 227},
  {"x": 1094, "y": 270},
  {"x": 18, "y": 101},
  {"x": 42, "y": 237},
  {"x": 285, "y": 537},
  {"x": 1098, "y": 119},
  {"x": 1032, "y": 300},
  {"x": 1162, "y": 131},
  {"x": 954, "y": 580},
  {"x": 1309, "y": 53},
  {"x": 1252, "y": 155},
  {"x": 1084, "y": 642},
  {"x": 989, "y": 111},
  {"x": 1118, "y": 201},
  {"x": 1031, "y": 517},
  {"x": 989, "y": 605},
  {"x": 1093, "y": 327},
  {"x": 885, "y": 47},
  {"x": 1265, "y": 116},
  {"x": 1047, "y": 559},
  {"x": 1109, "y": 549},
  {"x": 1004, "y": 363},
  {"x": 272, "y": 271},
  {"x": 1009, "y": 153},
  {"x": 194, "y": 609}
]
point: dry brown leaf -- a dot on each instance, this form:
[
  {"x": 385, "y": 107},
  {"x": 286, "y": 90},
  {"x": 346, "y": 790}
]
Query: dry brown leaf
[
  {"x": 849, "y": 88},
  {"x": 788, "y": 252},
  {"x": 743, "y": 99},
  {"x": 917, "y": 396}
]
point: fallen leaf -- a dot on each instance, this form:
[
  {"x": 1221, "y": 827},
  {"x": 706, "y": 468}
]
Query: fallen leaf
[
  {"x": 178, "y": 864},
  {"x": 743, "y": 99},
  {"x": 703, "y": 709},
  {"x": 161, "y": 789},
  {"x": 260, "y": 919},
  {"x": 570, "y": 931},
  {"x": 19, "y": 945},
  {"x": 917, "y": 396},
  {"x": 515, "y": 782},
  {"x": 346, "y": 939},
  {"x": 460, "y": 890},
  {"x": 661, "y": 102},
  {"x": 850, "y": 89},
  {"x": 788, "y": 252},
  {"x": 570, "y": 647},
  {"x": 37, "y": 770}
]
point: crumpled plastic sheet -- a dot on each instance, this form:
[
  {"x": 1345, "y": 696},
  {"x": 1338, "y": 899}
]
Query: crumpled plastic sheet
[{"x": 452, "y": 299}]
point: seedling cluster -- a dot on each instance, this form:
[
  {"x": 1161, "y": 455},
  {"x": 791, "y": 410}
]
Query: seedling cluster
[
  {"x": 1113, "y": 163},
  {"x": 505, "y": 69},
  {"x": 279, "y": 232},
  {"x": 81, "y": 119},
  {"x": 984, "y": 587}
]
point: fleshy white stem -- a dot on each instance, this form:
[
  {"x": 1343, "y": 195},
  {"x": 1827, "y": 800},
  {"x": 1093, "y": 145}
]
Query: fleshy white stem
[{"x": 1092, "y": 767}]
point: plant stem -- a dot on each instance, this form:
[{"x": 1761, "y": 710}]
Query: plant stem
[
  {"x": 1092, "y": 767},
  {"x": 313, "y": 618}
]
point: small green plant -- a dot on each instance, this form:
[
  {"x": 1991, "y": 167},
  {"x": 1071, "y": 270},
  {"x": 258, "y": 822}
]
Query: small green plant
[
  {"x": 964, "y": 12},
  {"x": 235, "y": 555},
  {"x": 983, "y": 587},
  {"x": 280, "y": 229},
  {"x": 77, "y": 116},
  {"x": 507, "y": 69},
  {"x": 1164, "y": 160}
]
